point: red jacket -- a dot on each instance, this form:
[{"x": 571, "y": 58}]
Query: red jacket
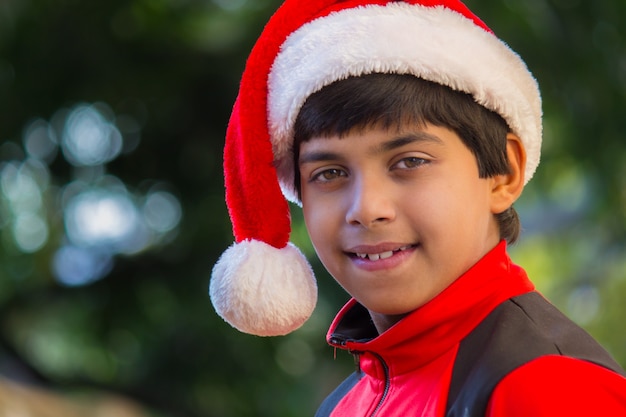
[{"x": 407, "y": 370}]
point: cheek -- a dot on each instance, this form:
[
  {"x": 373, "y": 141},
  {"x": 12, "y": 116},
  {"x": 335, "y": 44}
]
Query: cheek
[
  {"x": 322, "y": 234},
  {"x": 324, "y": 223},
  {"x": 440, "y": 207},
  {"x": 429, "y": 204},
  {"x": 319, "y": 222},
  {"x": 468, "y": 202}
]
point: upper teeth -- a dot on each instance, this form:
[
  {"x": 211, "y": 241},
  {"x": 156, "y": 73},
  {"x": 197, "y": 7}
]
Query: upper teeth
[{"x": 383, "y": 255}]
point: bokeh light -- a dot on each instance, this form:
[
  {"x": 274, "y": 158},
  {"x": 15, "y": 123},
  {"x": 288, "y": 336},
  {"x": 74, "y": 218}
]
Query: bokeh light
[
  {"x": 162, "y": 211},
  {"x": 101, "y": 216},
  {"x": 102, "y": 221},
  {"x": 30, "y": 231},
  {"x": 40, "y": 141},
  {"x": 74, "y": 266},
  {"x": 89, "y": 138},
  {"x": 22, "y": 185}
]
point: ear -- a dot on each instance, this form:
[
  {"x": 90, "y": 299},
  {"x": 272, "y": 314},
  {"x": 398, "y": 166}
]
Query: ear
[{"x": 506, "y": 188}]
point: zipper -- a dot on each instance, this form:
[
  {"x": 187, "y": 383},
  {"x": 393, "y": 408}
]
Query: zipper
[
  {"x": 340, "y": 341},
  {"x": 387, "y": 384}
]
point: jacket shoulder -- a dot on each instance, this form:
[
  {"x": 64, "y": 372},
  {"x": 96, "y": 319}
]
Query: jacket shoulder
[{"x": 518, "y": 331}]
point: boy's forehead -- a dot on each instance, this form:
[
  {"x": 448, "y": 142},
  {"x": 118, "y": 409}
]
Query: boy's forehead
[
  {"x": 401, "y": 134},
  {"x": 373, "y": 141}
]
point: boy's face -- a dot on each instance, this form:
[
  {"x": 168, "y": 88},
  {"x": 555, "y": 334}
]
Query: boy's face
[{"x": 396, "y": 216}]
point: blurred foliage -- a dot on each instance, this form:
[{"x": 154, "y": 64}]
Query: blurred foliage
[
  {"x": 162, "y": 75},
  {"x": 574, "y": 209}
]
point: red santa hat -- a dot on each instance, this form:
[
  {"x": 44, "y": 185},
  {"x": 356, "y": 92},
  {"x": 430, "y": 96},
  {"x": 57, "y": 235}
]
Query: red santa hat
[{"x": 262, "y": 284}]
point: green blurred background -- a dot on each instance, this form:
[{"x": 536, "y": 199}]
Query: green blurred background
[{"x": 112, "y": 118}]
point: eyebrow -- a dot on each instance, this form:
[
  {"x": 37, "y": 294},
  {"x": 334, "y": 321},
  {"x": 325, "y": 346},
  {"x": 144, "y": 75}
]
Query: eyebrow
[
  {"x": 317, "y": 157},
  {"x": 407, "y": 139},
  {"x": 395, "y": 143}
]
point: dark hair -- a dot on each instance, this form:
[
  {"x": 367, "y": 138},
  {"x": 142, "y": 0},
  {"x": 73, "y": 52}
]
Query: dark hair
[{"x": 391, "y": 100}]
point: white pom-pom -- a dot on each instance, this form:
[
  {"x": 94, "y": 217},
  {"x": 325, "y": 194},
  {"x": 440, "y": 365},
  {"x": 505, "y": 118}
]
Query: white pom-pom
[{"x": 261, "y": 290}]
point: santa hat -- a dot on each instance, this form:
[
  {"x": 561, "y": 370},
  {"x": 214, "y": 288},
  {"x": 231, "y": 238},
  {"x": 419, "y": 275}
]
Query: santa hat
[{"x": 262, "y": 284}]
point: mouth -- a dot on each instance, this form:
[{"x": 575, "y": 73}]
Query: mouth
[{"x": 381, "y": 255}]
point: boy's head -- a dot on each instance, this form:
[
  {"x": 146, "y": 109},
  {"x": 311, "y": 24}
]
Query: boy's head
[{"x": 263, "y": 285}]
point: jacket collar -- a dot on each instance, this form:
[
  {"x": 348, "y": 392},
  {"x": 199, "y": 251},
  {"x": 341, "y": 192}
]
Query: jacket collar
[{"x": 440, "y": 324}]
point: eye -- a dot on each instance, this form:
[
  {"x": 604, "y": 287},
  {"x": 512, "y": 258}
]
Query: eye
[
  {"x": 328, "y": 175},
  {"x": 410, "y": 162}
]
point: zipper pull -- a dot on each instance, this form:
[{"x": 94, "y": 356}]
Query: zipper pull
[{"x": 357, "y": 361}]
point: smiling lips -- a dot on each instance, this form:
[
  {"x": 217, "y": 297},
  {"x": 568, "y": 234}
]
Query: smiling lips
[{"x": 382, "y": 255}]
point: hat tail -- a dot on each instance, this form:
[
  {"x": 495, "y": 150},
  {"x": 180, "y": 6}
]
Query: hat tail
[
  {"x": 261, "y": 285},
  {"x": 255, "y": 202}
]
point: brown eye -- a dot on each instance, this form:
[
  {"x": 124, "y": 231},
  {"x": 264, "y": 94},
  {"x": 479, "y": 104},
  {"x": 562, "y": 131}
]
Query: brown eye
[
  {"x": 328, "y": 175},
  {"x": 411, "y": 162}
]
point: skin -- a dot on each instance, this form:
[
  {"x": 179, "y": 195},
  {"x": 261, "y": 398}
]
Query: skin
[{"x": 396, "y": 216}]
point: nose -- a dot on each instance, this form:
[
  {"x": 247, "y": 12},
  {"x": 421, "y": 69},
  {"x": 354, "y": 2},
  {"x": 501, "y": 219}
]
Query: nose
[{"x": 370, "y": 203}]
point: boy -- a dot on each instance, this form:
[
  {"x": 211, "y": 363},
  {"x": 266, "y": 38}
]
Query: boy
[{"x": 406, "y": 129}]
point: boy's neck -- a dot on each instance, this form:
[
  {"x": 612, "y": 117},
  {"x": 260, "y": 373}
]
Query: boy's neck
[{"x": 383, "y": 322}]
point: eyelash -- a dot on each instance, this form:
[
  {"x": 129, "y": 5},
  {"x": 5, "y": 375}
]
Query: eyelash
[
  {"x": 319, "y": 177},
  {"x": 412, "y": 162}
]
